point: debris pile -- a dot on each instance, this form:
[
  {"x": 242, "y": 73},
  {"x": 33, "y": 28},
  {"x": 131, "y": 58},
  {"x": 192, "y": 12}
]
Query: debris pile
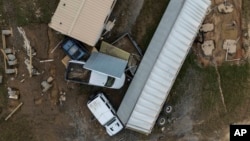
[
  {"x": 62, "y": 97},
  {"x": 30, "y": 68},
  {"x": 46, "y": 85},
  {"x": 225, "y": 7},
  {"x": 30, "y": 51},
  {"x": 13, "y": 94},
  {"x": 9, "y": 56}
]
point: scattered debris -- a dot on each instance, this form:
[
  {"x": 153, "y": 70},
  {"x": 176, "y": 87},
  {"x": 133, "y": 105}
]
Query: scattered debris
[
  {"x": 48, "y": 60},
  {"x": 13, "y": 111},
  {"x": 109, "y": 26},
  {"x": 208, "y": 47},
  {"x": 65, "y": 60},
  {"x": 225, "y": 8},
  {"x": 22, "y": 80},
  {"x": 62, "y": 97},
  {"x": 13, "y": 94},
  {"x": 52, "y": 51},
  {"x": 5, "y": 33},
  {"x": 6, "y": 62},
  {"x": 31, "y": 69},
  {"x": 133, "y": 63},
  {"x": 47, "y": 84},
  {"x": 30, "y": 52},
  {"x": 207, "y": 27},
  {"x": 9, "y": 58}
]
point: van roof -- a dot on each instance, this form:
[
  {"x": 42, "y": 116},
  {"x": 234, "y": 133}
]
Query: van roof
[{"x": 100, "y": 110}]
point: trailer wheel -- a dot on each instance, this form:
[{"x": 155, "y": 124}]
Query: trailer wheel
[
  {"x": 168, "y": 109},
  {"x": 161, "y": 121}
]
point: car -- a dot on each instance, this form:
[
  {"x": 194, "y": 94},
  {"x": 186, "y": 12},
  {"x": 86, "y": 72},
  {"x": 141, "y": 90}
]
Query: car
[
  {"x": 76, "y": 72},
  {"x": 74, "y": 49},
  {"x": 104, "y": 112}
]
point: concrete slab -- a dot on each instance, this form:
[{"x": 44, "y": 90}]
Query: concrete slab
[
  {"x": 230, "y": 45},
  {"x": 208, "y": 47}
]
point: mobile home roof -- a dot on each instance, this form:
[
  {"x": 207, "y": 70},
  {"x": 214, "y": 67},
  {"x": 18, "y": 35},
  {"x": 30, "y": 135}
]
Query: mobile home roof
[
  {"x": 83, "y": 20},
  {"x": 161, "y": 63}
]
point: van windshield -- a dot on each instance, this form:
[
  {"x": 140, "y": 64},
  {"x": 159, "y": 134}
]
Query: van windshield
[
  {"x": 110, "y": 82},
  {"x": 111, "y": 121}
]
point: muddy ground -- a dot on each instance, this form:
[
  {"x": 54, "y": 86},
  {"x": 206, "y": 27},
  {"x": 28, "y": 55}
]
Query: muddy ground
[{"x": 43, "y": 118}]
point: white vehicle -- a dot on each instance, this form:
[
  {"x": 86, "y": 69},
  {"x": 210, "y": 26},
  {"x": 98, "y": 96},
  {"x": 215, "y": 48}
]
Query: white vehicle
[
  {"x": 105, "y": 114},
  {"x": 77, "y": 73}
]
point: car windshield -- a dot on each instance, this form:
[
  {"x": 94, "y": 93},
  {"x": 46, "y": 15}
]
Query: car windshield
[
  {"x": 73, "y": 50},
  {"x": 110, "y": 81},
  {"x": 68, "y": 45}
]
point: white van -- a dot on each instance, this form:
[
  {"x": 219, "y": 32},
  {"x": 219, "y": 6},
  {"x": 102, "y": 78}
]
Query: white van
[{"x": 105, "y": 114}]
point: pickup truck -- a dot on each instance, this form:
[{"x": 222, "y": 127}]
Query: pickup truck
[{"x": 76, "y": 72}]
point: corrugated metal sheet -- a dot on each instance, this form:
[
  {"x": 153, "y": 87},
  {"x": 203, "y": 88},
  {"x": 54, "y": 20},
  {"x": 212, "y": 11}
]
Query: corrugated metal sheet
[
  {"x": 82, "y": 19},
  {"x": 106, "y": 64},
  {"x": 161, "y": 63}
]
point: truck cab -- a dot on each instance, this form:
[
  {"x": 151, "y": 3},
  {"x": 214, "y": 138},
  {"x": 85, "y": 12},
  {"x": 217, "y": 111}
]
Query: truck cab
[{"x": 103, "y": 111}]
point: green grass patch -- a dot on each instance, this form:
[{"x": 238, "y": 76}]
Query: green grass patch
[
  {"x": 204, "y": 86},
  {"x": 245, "y": 9},
  {"x": 234, "y": 81},
  {"x": 180, "y": 85},
  {"x": 148, "y": 20},
  {"x": 29, "y": 11}
]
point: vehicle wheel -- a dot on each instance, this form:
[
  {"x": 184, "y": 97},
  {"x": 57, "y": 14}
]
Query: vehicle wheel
[
  {"x": 168, "y": 109},
  {"x": 161, "y": 121}
]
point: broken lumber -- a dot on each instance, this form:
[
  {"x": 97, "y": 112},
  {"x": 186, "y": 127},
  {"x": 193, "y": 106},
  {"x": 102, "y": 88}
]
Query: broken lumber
[{"x": 13, "y": 111}]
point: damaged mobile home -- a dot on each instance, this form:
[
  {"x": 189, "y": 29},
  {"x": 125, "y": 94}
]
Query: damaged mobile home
[{"x": 83, "y": 20}]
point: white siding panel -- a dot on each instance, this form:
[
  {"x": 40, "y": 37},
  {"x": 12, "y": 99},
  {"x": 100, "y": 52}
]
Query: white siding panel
[{"x": 166, "y": 66}]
